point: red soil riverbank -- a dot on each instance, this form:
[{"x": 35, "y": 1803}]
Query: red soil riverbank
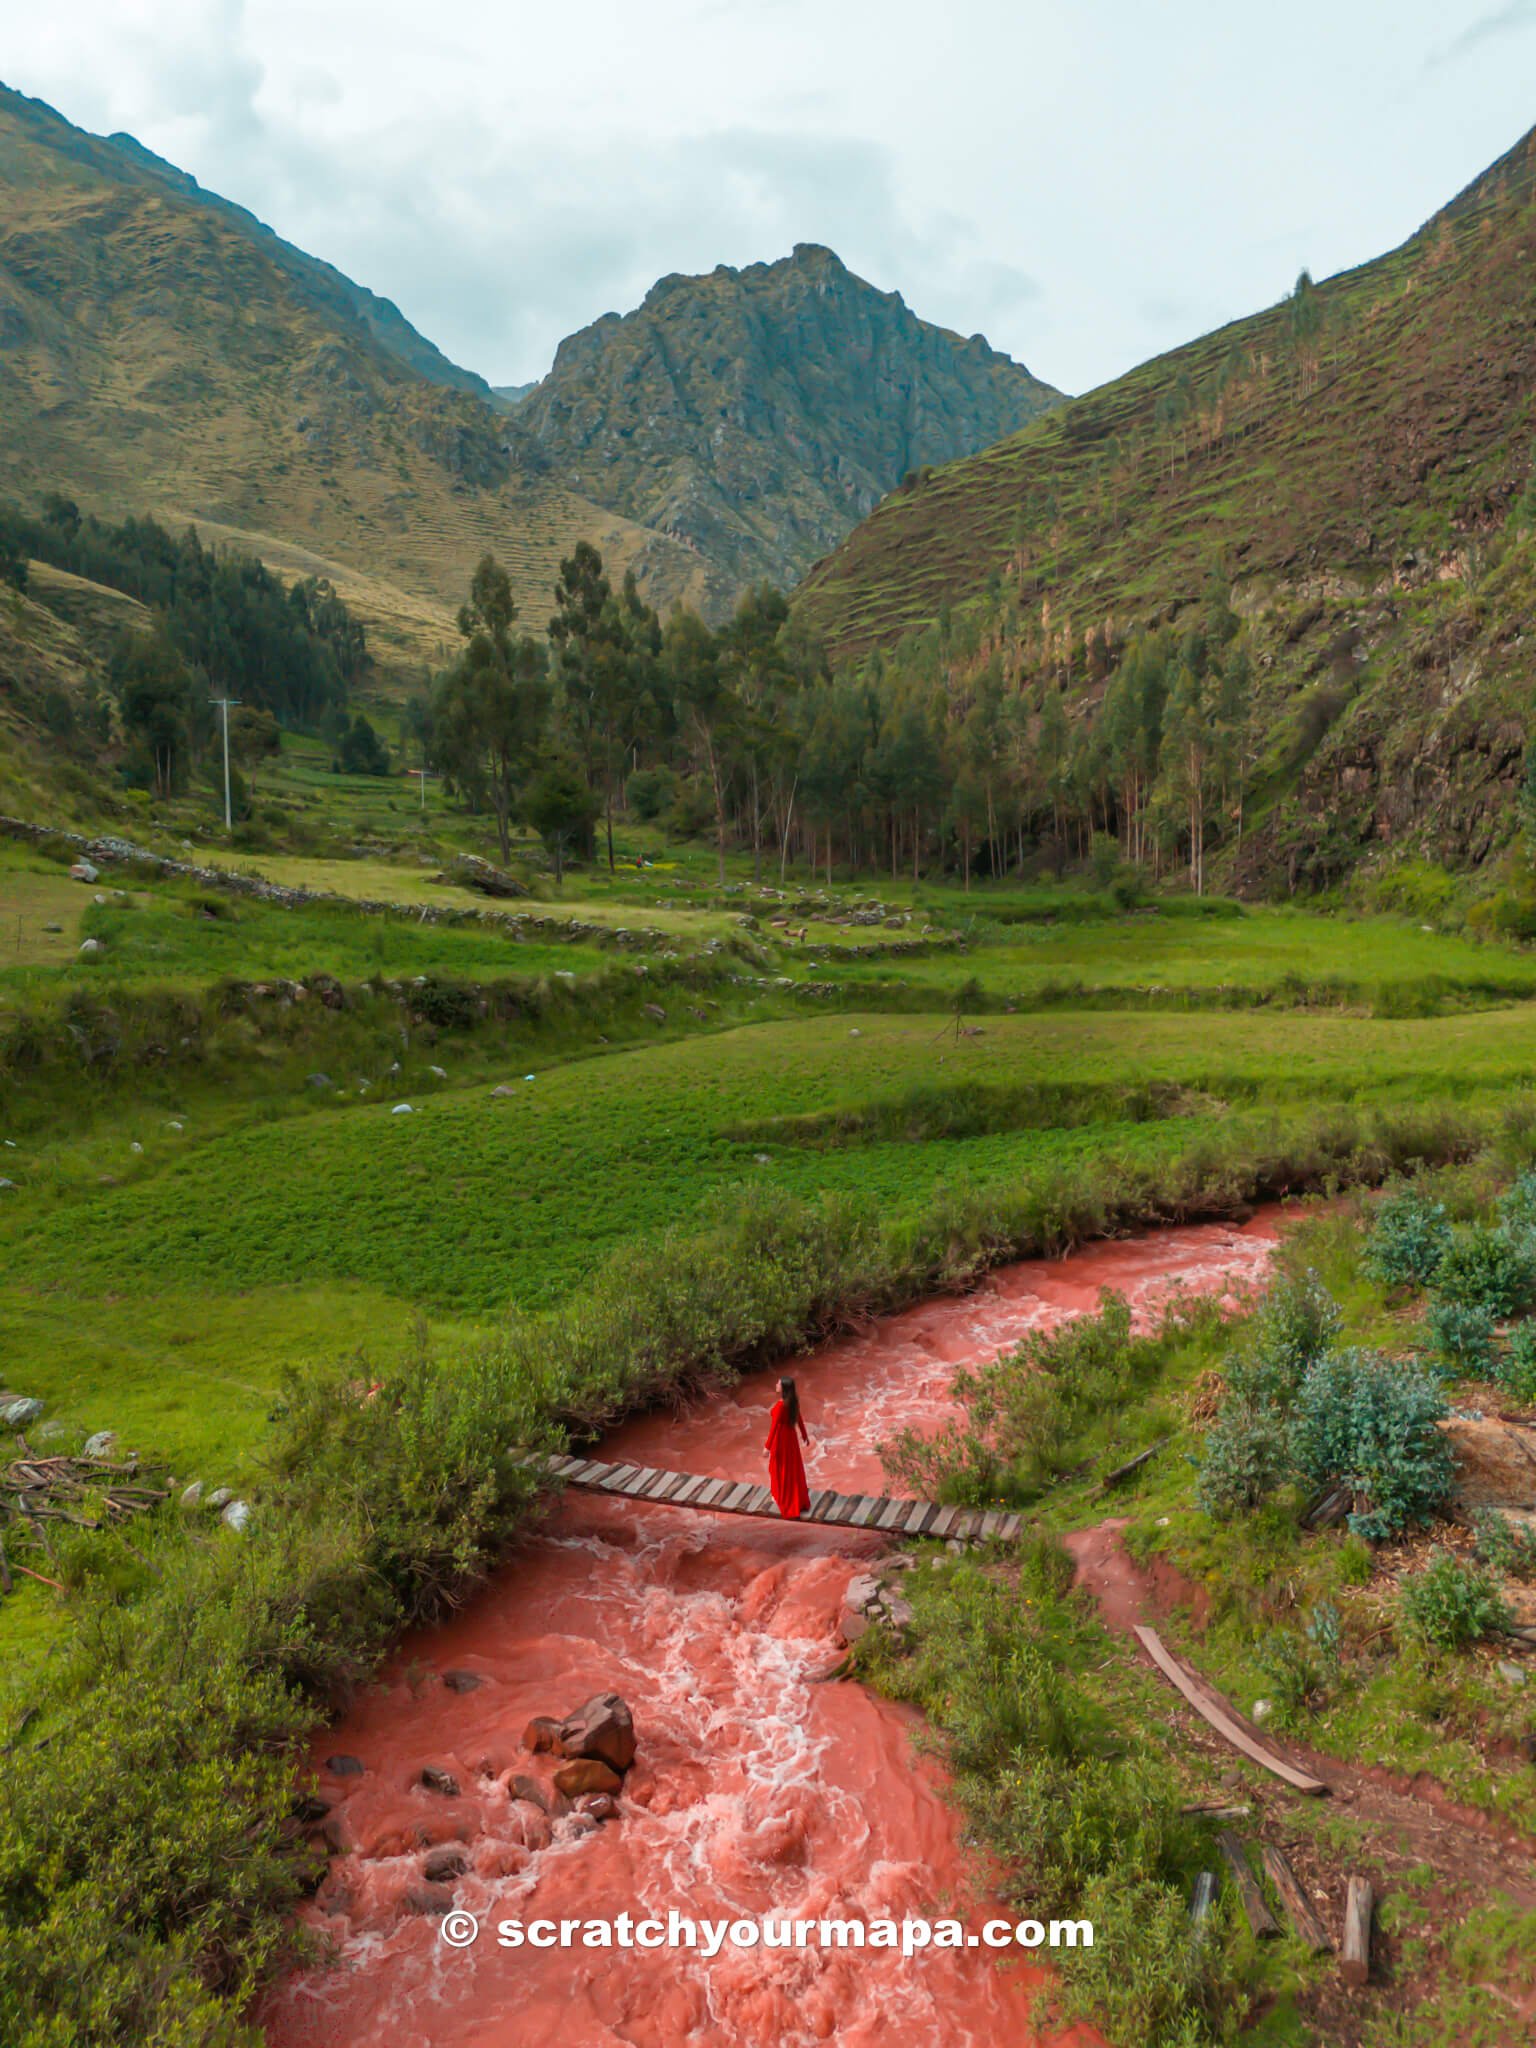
[{"x": 759, "y": 1789}]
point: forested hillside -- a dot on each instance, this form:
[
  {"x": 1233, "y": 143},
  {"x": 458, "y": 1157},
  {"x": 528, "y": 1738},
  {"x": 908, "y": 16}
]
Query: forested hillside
[{"x": 1347, "y": 477}]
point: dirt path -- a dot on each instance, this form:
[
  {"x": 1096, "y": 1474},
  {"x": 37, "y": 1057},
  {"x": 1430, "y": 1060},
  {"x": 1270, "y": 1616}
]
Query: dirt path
[{"x": 1374, "y": 1823}]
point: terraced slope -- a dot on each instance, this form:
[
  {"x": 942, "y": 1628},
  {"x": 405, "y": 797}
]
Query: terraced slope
[{"x": 1355, "y": 465}]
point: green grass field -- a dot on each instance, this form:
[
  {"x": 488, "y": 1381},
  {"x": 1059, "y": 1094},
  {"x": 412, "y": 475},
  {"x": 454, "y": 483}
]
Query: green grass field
[{"x": 198, "y": 1230}]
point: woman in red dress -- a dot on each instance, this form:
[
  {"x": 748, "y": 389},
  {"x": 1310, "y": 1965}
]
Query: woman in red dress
[{"x": 786, "y": 1468}]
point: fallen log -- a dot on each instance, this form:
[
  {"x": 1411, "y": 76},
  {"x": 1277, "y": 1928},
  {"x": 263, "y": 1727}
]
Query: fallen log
[
  {"x": 1260, "y": 1918},
  {"x": 1303, "y": 1914},
  {"x": 1222, "y": 1716},
  {"x": 1132, "y": 1464},
  {"x": 1355, "y": 1963}
]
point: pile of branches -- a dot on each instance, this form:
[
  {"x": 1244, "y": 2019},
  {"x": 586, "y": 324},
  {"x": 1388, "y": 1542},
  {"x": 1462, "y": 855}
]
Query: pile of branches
[{"x": 84, "y": 1493}]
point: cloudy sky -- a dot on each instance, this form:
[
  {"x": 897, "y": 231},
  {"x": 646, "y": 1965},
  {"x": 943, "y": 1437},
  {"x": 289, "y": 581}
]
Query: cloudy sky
[{"x": 1084, "y": 181}]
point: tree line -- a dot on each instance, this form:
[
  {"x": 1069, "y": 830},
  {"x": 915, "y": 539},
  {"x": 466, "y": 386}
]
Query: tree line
[
  {"x": 220, "y": 625},
  {"x": 969, "y": 749}
]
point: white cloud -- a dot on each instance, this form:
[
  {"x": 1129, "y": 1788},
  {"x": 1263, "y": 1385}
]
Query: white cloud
[{"x": 1078, "y": 179}]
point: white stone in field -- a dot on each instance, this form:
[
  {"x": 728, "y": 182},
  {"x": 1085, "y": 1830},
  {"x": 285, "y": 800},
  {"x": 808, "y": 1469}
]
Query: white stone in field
[
  {"x": 1262, "y": 1711},
  {"x": 440, "y": 1073},
  {"x": 90, "y": 947},
  {"x": 101, "y": 1445},
  {"x": 135, "y": 1146},
  {"x": 17, "y": 1410},
  {"x": 221, "y": 1496},
  {"x": 7, "y": 1183},
  {"x": 401, "y": 1109},
  {"x": 236, "y": 1516},
  {"x": 192, "y": 1496}
]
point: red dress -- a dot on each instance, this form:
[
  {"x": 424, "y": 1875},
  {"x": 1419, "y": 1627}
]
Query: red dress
[{"x": 786, "y": 1467}]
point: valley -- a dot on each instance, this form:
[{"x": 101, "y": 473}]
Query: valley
[{"x": 788, "y": 846}]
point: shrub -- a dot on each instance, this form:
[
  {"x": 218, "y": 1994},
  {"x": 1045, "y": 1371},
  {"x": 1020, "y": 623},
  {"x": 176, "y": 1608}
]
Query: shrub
[
  {"x": 1297, "y": 1323},
  {"x": 1409, "y": 1234},
  {"x": 1461, "y": 1335},
  {"x": 1488, "y": 1266},
  {"x": 649, "y": 791},
  {"x": 1450, "y": 1604},
  {"x": 1517, "y": 1204},
  {"x": 1515, "y": 1368},
  {"x": 1505, "y": 1546},
  {"x": 1369, "y": 1422},
  {"x": 1247, "y": 1457}
]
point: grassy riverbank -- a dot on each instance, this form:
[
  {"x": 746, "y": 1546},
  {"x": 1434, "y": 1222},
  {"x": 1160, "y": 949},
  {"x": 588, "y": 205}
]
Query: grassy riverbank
[{"x": 718, "y": 1157}]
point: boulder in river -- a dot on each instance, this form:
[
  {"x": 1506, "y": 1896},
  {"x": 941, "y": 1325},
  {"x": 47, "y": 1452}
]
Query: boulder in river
[
  {"x": 431, "y": 1900},
  {"x": 344, "y": 1766},
  {"x": 442, "y": 1865},
  {"x": 521, "y": 1786},
  {"x": 462, "y": 1681},
  {"x": 436, "y": 1779},
  {"x": 586, "y": 1774},
  {"x": 603, "y": 1728},
  {"x": 600, "y": 1805},
  {"x": 542, "y": 1735}
]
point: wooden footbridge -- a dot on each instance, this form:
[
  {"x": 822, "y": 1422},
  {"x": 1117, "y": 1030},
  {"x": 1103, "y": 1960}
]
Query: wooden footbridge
[{"x": 873, "y": 1512}]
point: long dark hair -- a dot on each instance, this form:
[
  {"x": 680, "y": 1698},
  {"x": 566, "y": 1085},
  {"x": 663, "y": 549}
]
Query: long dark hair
[{"x": 791, "y": 1402}]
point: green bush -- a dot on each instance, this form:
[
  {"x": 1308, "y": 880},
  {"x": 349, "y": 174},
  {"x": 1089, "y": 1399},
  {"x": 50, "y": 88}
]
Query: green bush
[
  {"x": 1488, "y": 1266},
  {"x": 1368, "y": 1422},
  {"x": 649, "y": 791},
  {"x": 1450, "y": 1604},
  {"x": 1505, "y": 1546},
  {"x": 1409, "y": 1234},
  {"x": 1515, "y": 1368},
  {"x": 1298, "y": 1322},
  {"x": 1517, "y": 1205},
  {"x": 1461, "y": 1334},
  {"x": 1247, "y": 1458}
]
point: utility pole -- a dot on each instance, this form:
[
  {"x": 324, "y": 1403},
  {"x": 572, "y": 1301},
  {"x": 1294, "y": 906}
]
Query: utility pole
[{"x": 225, "y": 704}]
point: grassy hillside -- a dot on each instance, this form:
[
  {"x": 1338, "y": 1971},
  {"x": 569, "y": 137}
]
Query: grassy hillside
[
  {"x": 163, "y": 353},
  {"x": 1354, "y": 467}
]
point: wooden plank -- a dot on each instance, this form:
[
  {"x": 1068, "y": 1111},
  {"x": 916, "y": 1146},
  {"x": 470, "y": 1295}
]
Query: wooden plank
[
  {"x": 760, "y": 1501},
  {"x": 1303, "y": 1914},
  {"x": 943, "y": 1522},
  {"x": 687, "y": 1495},
  {"x": 991, "y": 1522},
  {"x": 1210, "y": 1706},
  {"x": 617, "y": 1478},
  {"x": 1355, "y": 1961},
  {"x": 713, "y": 1491},
  {"x": 1132, "y": 1464},
  {"x": 820, "y": 1502},
  {"x": 642, "y": 1477},
  {"x": 583, "y": 1474},
  {"x": 870, "y": 1505},
  {"x": 843, "y": 1508},
  {"x": 965, "y": 1524},
  {"x": 1260, "y": 1918},
  {"x": 662, "y": 1486},
  {"x": 1012, "y": 1529},
  {"x": 923, "y": 1512},
  {"x": 895, "y": 1512},
  {"x": 733, "y": 1501}
]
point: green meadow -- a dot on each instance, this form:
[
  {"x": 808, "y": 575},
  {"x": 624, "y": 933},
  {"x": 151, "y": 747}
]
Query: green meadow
[{"x": 624, "y": 1169}]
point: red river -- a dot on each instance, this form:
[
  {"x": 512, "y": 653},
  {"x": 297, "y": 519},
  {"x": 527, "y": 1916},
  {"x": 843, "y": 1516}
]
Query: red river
[{"x": 760, "y": 1789}]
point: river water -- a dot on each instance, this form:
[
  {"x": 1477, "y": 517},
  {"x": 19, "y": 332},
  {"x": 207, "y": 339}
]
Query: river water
[{"x": 761, "y": 1788}]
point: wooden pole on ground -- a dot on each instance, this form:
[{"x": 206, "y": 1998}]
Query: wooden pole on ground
[
  {"x": 1355, "y": 1966},
  {"x": 1260, "y": 1918},
  {"x": 1303, "y": 1914}
]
